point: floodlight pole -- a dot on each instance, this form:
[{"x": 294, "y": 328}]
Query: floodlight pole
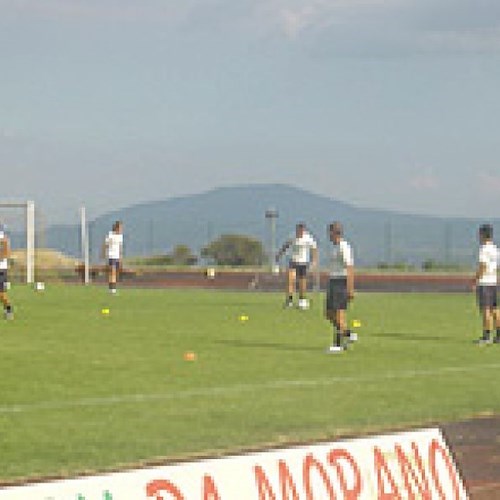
[
  {"x": 271, "y": 215},
  {"x": 388, "y": 242},
  {"x": 30, "y": 242},
  {"x": 85, "y": 245}
]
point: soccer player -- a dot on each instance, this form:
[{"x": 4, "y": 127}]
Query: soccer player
[
  {"x": 113, "y": 249},
  {"x": 340, "y": 287},
  {"x": 4, "y": 266},
  {"x": 486, "y": 285},
  {"x": 304, "y": 253}
]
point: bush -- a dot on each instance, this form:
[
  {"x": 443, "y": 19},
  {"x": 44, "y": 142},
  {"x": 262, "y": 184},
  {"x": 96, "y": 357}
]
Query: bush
[{"x": 235, "y": 250}]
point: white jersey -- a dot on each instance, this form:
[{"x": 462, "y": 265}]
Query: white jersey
[
  {"x": 489, "y": 256},
  {"x": 301, "y": 248},
  {"x": 340, "y": 259},
  {"x": 114, "y": 244},
  {"x": 4, "y": 263}
]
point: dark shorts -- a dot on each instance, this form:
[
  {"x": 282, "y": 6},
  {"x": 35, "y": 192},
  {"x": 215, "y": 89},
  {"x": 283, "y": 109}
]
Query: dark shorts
[
  {"x": 487, "y": 296},
  {"x": 336, "y": 294},
  {"x": 114, "y": 263},
  {"x": 300, "y": 269},
  {"x": 3, "y": 280}
]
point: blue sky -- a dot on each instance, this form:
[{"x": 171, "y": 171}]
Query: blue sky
[{"x": 382, "y": 103}]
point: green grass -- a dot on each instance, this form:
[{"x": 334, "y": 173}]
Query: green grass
[{"x": 81, "y": 391}]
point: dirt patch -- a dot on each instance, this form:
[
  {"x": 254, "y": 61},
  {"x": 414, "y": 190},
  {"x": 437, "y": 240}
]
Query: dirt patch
[{"x": 476, "y": 447}]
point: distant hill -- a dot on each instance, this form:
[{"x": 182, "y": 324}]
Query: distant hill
[{"x": 195, "y": 220}]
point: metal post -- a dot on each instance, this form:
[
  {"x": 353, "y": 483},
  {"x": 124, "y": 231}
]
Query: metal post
[
  {"x": 151, "y": 238},
  {"x": 30, "y": 242},
  {"x": 388, "y": 243},
  {"x": 448, "y": 245},
  {"x": 85, "y": 245},
  {"x": 271, "y": 216}
]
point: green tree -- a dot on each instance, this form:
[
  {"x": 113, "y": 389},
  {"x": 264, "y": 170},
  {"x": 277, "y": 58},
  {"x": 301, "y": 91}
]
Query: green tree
[
  {"x": 182, "y": 256},
  {"x": 235, "y": 250}
]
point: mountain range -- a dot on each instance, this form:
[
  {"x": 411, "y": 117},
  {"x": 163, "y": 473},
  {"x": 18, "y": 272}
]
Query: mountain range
[{"x": 377, "y": 236}]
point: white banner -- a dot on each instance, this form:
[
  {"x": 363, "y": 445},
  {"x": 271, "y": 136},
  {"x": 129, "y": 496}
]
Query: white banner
[{"x": 408, "y": 465}]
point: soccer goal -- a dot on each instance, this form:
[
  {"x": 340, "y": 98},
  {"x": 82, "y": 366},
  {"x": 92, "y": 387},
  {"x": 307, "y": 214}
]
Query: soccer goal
[{"x": 18, "y": 220}]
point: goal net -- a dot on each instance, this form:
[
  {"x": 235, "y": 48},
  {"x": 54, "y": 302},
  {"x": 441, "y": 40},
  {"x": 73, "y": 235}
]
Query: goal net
[{"x": 18, "y": 221}]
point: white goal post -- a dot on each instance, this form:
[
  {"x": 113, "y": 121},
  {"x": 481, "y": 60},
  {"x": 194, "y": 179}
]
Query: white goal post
[{"x": 29, "y": 208}]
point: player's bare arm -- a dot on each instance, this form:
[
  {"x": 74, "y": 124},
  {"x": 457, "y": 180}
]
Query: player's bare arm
[
  {"x": 350, "y": 282},
  {"x": 104, "y": 250},
  {"x": 314, "y": 257},
  {"x": 481, "y": 269}
]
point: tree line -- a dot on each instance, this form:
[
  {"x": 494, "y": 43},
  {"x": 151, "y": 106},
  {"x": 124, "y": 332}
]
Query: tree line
[{"x": 226, "y": 250}]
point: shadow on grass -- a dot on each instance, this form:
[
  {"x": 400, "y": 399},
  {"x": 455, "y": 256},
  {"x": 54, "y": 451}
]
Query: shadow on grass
[
  {"x": 414, "y": 337},
  {"x": 266, "y": 345}
]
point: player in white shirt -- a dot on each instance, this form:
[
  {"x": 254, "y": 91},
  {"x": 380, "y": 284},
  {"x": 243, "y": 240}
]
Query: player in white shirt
[
  {"x": 4, "y": 266},
  {"x": 486, "y": 283},
  {"x": 113, "y": 251},
  {"x": 340, "y": 287},
  {"x": 304, "y": 253}
]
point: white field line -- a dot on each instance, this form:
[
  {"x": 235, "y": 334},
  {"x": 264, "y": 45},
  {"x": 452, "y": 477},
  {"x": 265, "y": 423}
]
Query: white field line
[{"x": 238, "y": 389}]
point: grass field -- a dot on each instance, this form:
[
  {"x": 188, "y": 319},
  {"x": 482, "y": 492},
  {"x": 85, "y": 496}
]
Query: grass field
[{"x": 83, "y": 391}]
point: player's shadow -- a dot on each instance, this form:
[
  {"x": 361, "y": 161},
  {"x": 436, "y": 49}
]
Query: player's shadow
[
  {"x": 266, "y": 345},
  {"x": 413, "y": 337}
]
